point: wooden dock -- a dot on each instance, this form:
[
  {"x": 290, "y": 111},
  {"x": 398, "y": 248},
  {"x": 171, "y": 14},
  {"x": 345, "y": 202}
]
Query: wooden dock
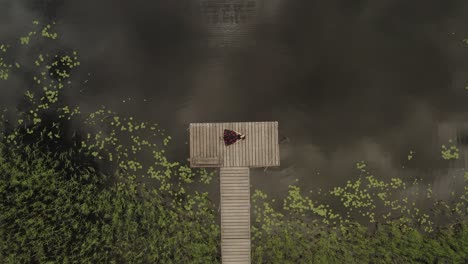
[
  {"x": 259, "y": 149},
  {"x": 235, "y": 215}
]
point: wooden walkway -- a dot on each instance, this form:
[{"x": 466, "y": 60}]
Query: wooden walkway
[
  {"x": 259, "y": 149},
  {"x": 235, "y": 215}
]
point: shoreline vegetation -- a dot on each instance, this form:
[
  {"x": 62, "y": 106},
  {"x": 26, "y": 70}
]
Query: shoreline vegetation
[{"x": 96, "y": 188}]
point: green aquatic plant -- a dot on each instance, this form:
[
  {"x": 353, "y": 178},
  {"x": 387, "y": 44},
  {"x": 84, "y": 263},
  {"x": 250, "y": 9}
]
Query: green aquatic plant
[
  {"x": 97, "y": 187},
  {"x": 86, "y": 194},
  {"x": 450, "y": 152}
]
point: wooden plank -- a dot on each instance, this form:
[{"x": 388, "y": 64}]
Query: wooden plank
[
  {"x": 244, "y": 232},
  {"x": 240, "y": 182},
  {"x": 241, "y": 253},
  {"x": 194, "y": 141},
  {"x": 229, "y": 194},
  {"x": 236, "y": 255},
  {"x": 266, "y": 141},
  {"x": 236, "y": 183},
  {"x": 234, "y": 193},
  {"x": 231, "y": 242},
  {"x": 246, "y": 246},
  {"x": 276, "y": 144},
  {"x": 243, "y": 183},
  {"x": 235, "y": 147},
  {"x": 191, "y": 141},
  {"x": 206, "y": 161},
  {"x": 235, "y": 237},
  {"x": 245, "y": 214},
  {"x": 234, "y": 221},
  {"x": 235, "y": 248},
  {"x": 238, "y": 226},
  {"x": 209, "y": 141},
  {"x": 235, "y": 174},
  {"x": 233, "y": 210},
  {"x": 230, "y": 247},
  {"x": 226, "y": 191},
  {"x": 260, "y": 143},
  {"x": 236, "y": 231},
  {"x": 219, "y": 142},
  {"x": 231, "y": 175},
  {"x": 273, "y": 144},
  {"x": 235, "y": 228},
  {"x": 242, "y": 146},
  {"x": 232, "y": 205},
  {"x": 264, "y": 144},
  {"x": 236, "y": 186},
  {"x": 239, "y": 195},
  {"x": 235, "y": 217},
  {"x": 230, "y": 199},
  {"x": 236, "y": 234},
  {"x": 215, "y": 138},
  {"x": 235, "y": 189},
  {"x": 227, "y": 245},
  {"x": 205, "y": 140},
  {"x": 227, "y": 150},
  {"x": 245, "y": 149},
  {"x": 239, "y": 249},
  {"x": 255, "y": 146},
  {"x": 236, "y": 196},
  {"x": 236, "y": 261},
  {"x": 236, "y": 242},
  {"x": 241, "y": 199},
  {"x": 195, "y": 148},
  {"x": 232, "y": 187}
]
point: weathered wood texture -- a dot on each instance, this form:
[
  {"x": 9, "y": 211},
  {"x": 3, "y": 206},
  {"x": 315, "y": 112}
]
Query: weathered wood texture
[
  {"x": 259, "y": 149},
  {"x": 235, "y": 215}
]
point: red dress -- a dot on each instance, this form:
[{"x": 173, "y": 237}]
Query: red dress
[{"x": 230, "y": 137}]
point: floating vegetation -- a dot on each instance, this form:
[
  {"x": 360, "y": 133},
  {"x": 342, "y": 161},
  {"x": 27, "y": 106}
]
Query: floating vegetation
[{"x": 103, "y": 191}]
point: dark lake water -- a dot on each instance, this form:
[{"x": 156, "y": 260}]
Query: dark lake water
[{"x": 367, "y": 81}]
